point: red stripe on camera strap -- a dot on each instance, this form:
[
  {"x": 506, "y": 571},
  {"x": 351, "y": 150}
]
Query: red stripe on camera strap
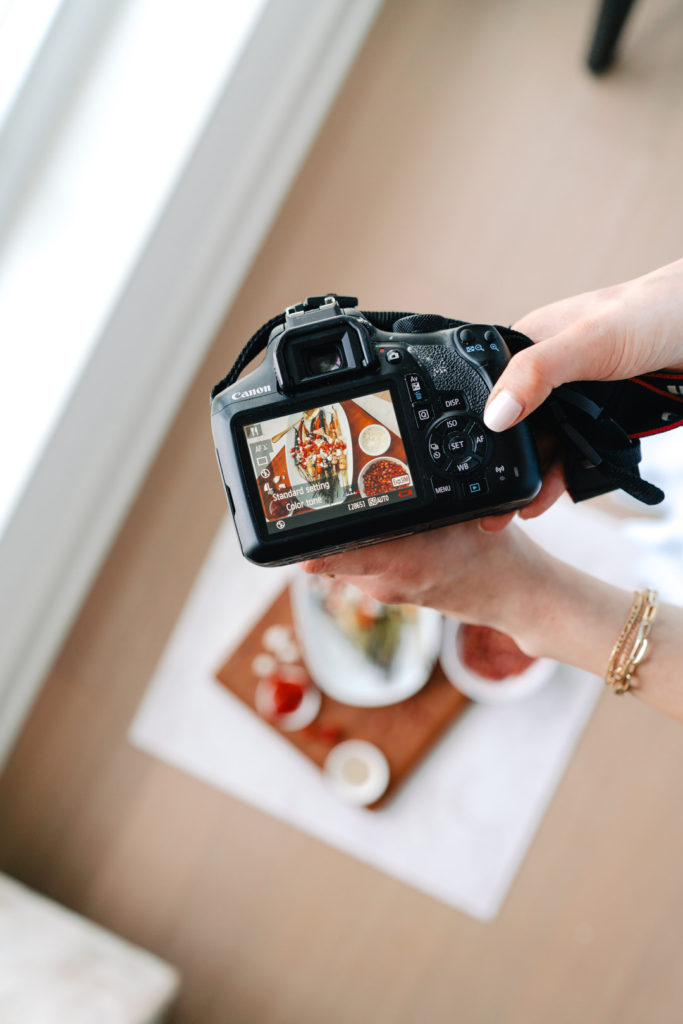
[{"x": 657, "y": 415}]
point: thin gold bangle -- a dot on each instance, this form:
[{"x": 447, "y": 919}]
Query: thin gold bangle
[{"x": 633, "y": 642}]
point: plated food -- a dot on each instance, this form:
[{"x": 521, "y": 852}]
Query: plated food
[
  {"x": 362, "y": 652},
  {"x": 320, "y": 451},
  {"x": 374, "y": 628}
]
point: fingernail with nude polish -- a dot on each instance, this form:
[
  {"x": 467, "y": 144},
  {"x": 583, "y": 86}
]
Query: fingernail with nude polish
[{"x": 502, "y": 412}]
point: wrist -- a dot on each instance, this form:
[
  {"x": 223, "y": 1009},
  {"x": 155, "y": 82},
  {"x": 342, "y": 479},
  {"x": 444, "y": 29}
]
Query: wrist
[{"x": 568, "y": 615}]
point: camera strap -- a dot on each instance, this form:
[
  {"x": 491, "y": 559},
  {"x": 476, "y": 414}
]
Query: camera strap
[{"x": 598, "y": 424}]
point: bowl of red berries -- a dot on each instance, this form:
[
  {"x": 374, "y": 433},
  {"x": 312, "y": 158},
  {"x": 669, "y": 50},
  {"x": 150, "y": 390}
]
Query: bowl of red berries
[{"x": 488, "y": 666}]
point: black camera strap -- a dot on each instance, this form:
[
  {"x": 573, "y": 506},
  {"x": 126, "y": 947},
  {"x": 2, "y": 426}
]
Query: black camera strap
[{"x": 598, "y": 424}]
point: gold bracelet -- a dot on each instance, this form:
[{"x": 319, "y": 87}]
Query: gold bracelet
[
  {"x": 631, "y": 647},
  {"x": 632, "y": 643}
]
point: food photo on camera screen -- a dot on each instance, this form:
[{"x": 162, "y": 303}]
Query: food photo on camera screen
[{"x": 332, "y": 460}]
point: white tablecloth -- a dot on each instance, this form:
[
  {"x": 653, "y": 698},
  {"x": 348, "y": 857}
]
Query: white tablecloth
[{"x": 460, "y": 826}]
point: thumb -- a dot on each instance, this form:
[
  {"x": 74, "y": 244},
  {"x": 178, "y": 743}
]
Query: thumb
[{"x": 531, "y": 375}]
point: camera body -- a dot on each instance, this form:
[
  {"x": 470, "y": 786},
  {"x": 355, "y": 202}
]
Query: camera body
[{"x": 347, "y": 435}]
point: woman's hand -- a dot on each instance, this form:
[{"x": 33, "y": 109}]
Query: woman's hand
[
  {"x": 494, "y": 579},
  {"x": 610, "y": 334},
  {"x": 504, "y": 580}
]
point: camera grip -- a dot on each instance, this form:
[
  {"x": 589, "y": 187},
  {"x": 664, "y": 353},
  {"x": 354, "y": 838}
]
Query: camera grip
[{"x": 450, "y": 371}]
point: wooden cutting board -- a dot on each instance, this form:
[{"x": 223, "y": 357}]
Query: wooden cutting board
[{"x": 404, "y": 732}]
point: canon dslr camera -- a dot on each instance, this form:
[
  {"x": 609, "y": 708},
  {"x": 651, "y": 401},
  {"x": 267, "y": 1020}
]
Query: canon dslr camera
[{"x": 348, "y": 434}]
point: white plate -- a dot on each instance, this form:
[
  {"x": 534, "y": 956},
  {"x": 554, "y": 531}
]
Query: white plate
[
  {"x": 490, "y": 691},
  {"x": 337, "y": 492},
  {"x": 343, "y": 672}
]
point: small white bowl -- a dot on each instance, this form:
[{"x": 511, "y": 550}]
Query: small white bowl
[
  {"x": 358, "y": 771},
  {"x": 490, "y": 691},
  {"x": 382, "y": 435}
]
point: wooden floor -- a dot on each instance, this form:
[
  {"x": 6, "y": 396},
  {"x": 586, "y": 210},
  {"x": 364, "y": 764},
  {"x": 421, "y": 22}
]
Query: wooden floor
[{"x": 470, "y": 167}]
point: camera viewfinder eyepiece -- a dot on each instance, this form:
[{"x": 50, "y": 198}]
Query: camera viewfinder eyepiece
[{"x": 308, "y": 354}]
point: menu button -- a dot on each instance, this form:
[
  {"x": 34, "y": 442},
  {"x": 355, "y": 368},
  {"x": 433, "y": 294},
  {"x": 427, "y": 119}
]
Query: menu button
[{"x": 443, "y": 488}]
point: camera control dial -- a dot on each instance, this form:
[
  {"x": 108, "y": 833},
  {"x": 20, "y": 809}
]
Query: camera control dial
[{"x": 458, "y": 445}]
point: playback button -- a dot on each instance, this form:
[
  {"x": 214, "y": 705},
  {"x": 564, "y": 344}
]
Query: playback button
[{"x": 473, "y": 488}]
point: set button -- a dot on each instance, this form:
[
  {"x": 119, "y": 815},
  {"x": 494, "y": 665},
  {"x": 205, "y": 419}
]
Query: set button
[{"x": 458, "y": 444}]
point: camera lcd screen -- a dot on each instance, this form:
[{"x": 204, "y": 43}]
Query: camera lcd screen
[{"x": 335, "y": 460}]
